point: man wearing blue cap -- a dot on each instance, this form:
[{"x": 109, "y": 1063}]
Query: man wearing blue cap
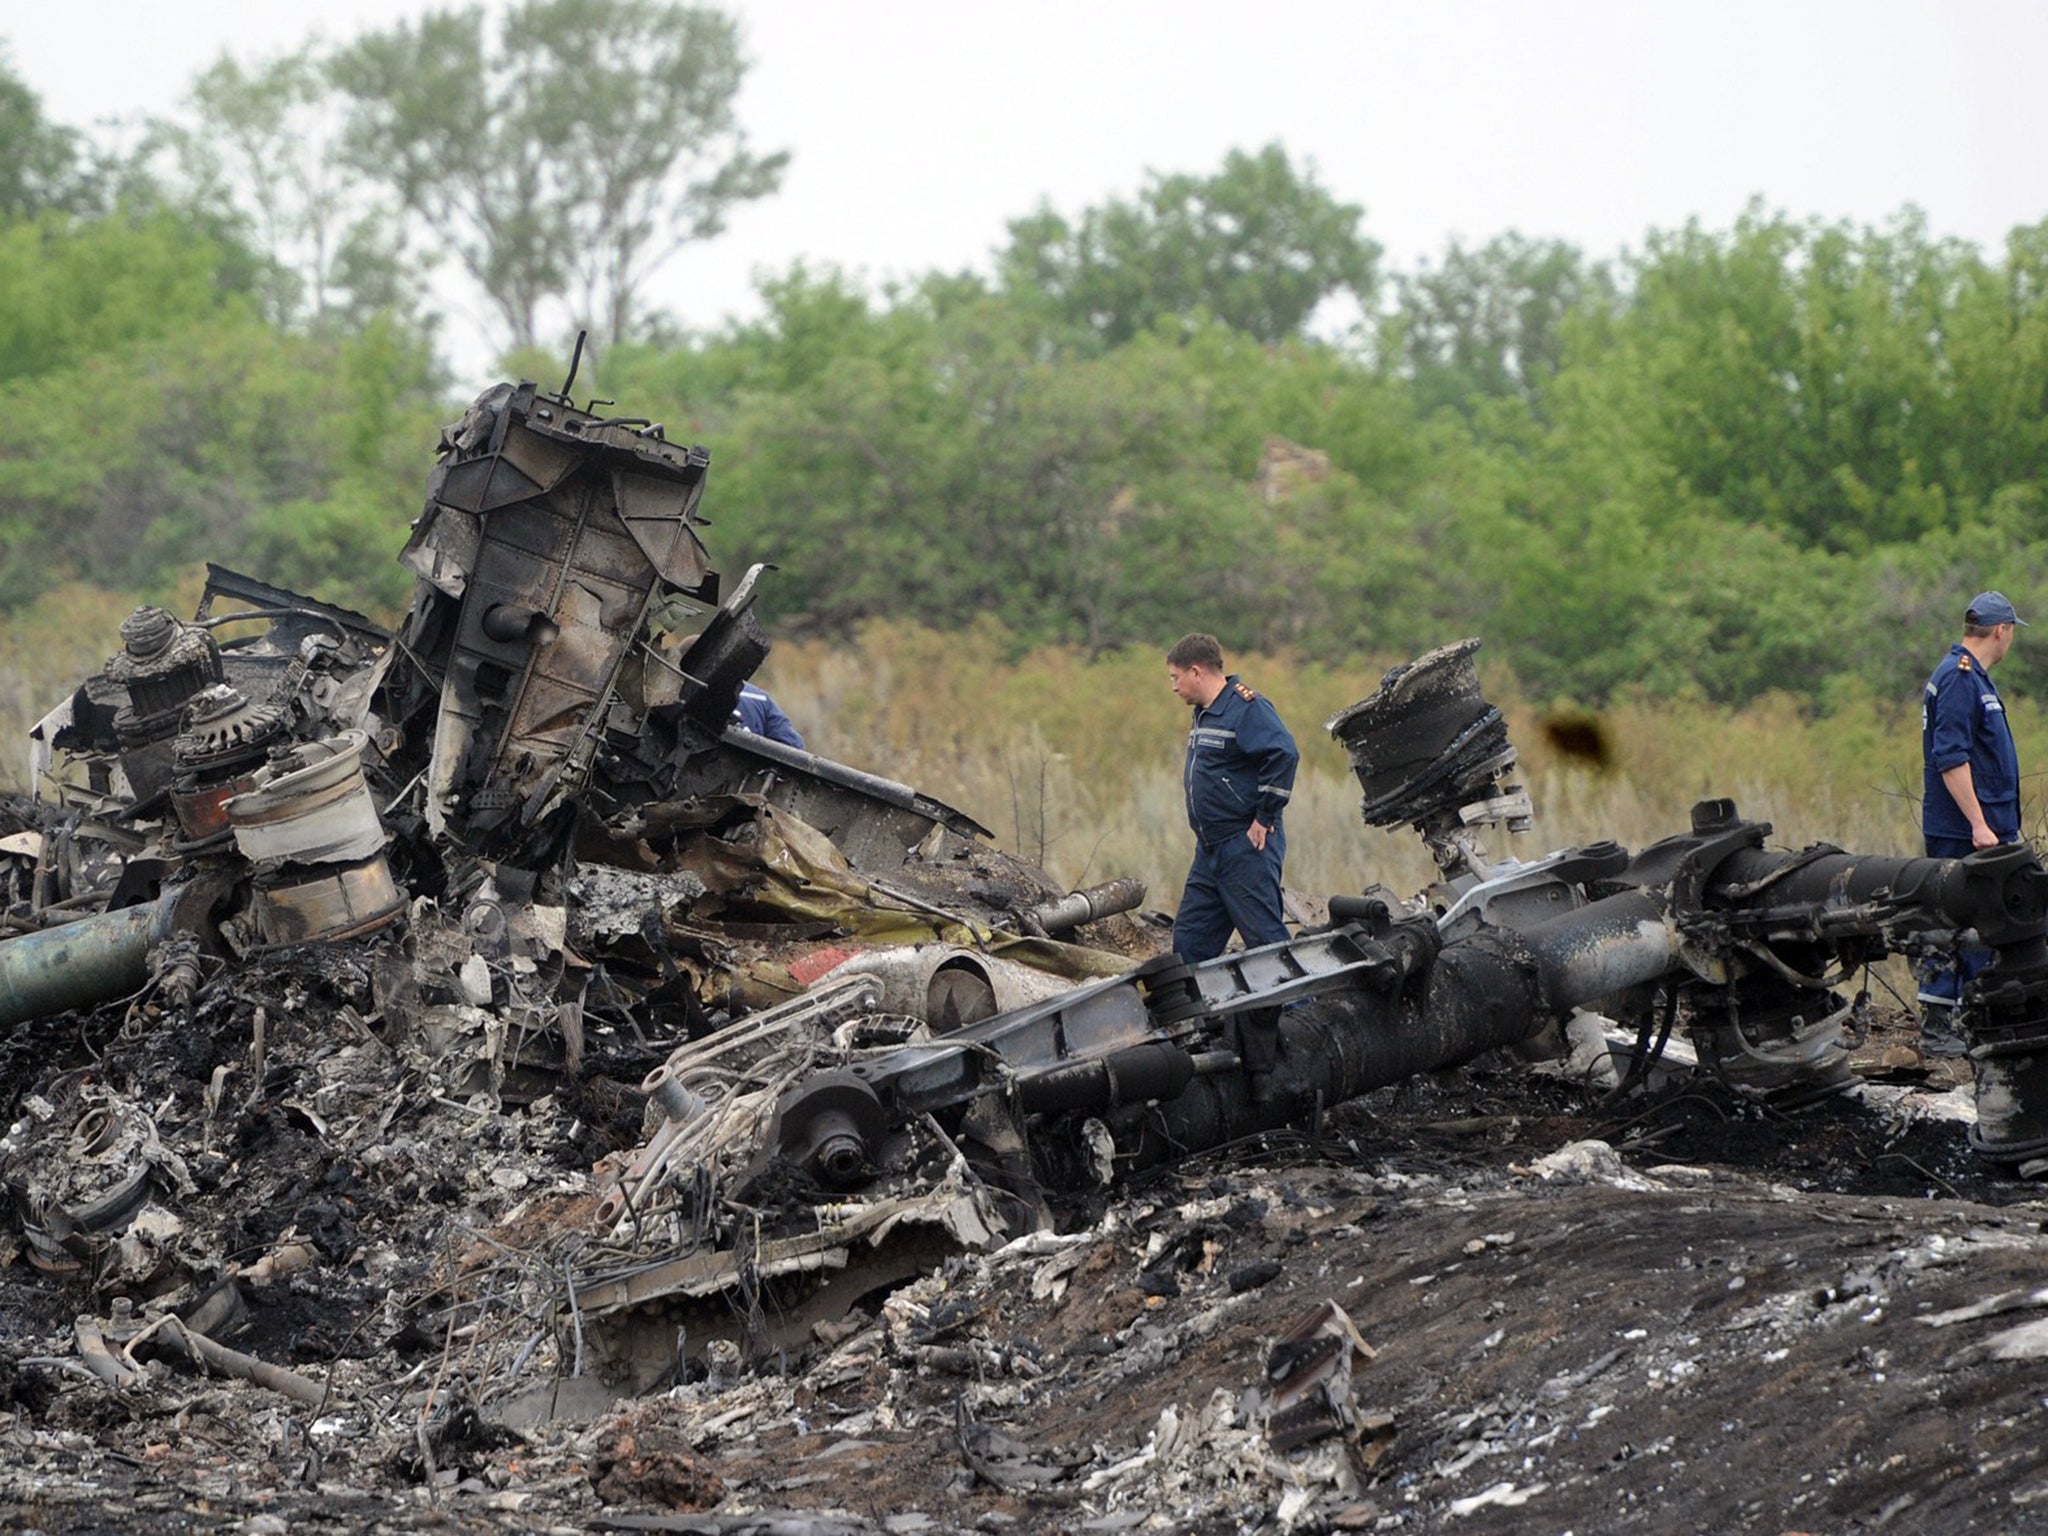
[{"x": 1970, "y": 791}]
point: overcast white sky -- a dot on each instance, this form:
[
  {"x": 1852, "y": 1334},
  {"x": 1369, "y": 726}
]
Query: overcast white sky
[{"x": 919, "y": 127}]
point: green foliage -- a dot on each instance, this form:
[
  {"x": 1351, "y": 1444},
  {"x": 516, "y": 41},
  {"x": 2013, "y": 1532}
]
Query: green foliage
[
  {"x": 1607, "y": 501},
  {"x": 565, "y": 156},
  {"x": 1763, "y": 463},
  {"x": 1813, "y": 378},
  {"x": 900, "y": 459},
  {"x": 261, "y": 146},
  {"x": 186, "y": 427},
  {"x": 45, "y": 167},
  {"x": 73, "y": 288},
  {"x": 1490, "y": 323},
  {"x": 324, "y": 548},
  {"x": 1259, "y": 246}
]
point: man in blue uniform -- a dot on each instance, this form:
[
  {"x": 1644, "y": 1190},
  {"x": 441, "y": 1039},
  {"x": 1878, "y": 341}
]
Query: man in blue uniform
[
  {"x": 1237, "y": 777},
  {"x": 759, "y": 713},
  {"x": 1970, "y": 790}
]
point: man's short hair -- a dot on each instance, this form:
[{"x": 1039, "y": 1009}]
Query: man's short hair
[
  {"x": 1977, "y": 631},
  {"x": 1196, "y": 651}
]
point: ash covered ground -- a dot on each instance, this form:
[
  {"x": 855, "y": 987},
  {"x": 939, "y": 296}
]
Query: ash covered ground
[{"x": 1690, "y": 1312}]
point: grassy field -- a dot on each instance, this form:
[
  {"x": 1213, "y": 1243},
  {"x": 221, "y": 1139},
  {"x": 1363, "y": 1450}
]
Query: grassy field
[{"x": 1073, "y": 761}]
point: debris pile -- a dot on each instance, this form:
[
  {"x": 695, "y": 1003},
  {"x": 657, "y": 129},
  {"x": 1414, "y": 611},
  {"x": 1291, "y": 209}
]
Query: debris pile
[{"x": 459, "y": 1065}]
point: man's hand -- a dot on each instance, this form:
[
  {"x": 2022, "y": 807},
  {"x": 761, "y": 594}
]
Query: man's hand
[
  {"x": 1962, "y": 788},
  {"x": 1258, "y": 832}
]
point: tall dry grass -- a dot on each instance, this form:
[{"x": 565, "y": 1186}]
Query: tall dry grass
[{"x": 1073, "y": 760}]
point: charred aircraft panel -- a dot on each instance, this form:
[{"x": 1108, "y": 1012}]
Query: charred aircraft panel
[{"x": 554, "y": 529}]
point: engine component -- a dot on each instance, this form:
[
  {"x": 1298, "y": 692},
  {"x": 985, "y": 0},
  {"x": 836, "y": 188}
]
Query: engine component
[
  {"x": 830, "y": 1126},
  {"x": 1085, "y": 906},
  {"x": 161, "y": 664},
  {"x": 84, "y": 963},
  {"x": 300, "y": 904},
  {"x": 551, "y": 530},
  {"x": 1426, "y": 745},
  {"x": 225, "y": 740},
  {"x": 309, "y": 805}
]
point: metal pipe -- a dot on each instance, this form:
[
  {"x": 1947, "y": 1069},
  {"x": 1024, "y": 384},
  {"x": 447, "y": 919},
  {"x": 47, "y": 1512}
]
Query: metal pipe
[
  {"x": 1500, "y": 986},
  {"x": 1087, "y": 906},
  {"x": 1483, "y": 992},
  {"x": 81, "y": 964},
  {"x": 2001, "y": 892},
  {"x": 1599, "y": 950}
]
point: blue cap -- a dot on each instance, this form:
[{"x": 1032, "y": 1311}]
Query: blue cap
[{"x": 1989, "y": 608}]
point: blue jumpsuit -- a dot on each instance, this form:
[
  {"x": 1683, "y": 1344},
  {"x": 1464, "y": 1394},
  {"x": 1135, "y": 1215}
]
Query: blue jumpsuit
[
  {"x": 1239, "y": 769},
  {"x": 759, "y": 713},
  {"x": 1962, "y": 720}
]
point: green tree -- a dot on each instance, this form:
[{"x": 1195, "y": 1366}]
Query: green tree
[
  {"x": 1490, "y": 323},
  {"x": 1995, "y": 344},
  {"x": 1259, "y": 245},
  {"x": 219, "y": 439},
  {"x": 1790, "y": 442},
  {"x": 44, "y": 166},
  {"x": 1800, "y": 375},
  {"x": 263, "y": 140},
  {"x": 150, "y": 418},
  {"x": 563, "y": 158},
  {"x": 74, "y": 288}
]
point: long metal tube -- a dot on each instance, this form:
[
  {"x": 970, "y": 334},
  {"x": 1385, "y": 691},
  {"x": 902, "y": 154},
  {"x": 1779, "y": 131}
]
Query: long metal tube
[
  {"x": 2001, "y": 892},
  {"x": 1088, "y": 906},
  {"x": 81, "y": 964},
  {"x": 1294, "y": 1046},
  {"x": 1499, "y": 986},
  {"x": 1598, "y": 950},
  {"x": 1483, "y": 992}
]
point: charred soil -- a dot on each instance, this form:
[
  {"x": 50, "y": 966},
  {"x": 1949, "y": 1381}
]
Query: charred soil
[{"x": 1695, "y": 1312}]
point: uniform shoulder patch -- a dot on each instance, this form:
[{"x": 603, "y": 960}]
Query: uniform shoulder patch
[
  {"x": 1244, "y": 692},
  {"x": 1963, "y": 662}
]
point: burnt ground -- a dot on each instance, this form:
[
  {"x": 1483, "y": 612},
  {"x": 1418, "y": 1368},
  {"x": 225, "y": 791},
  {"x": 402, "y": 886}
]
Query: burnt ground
[{"x": 1727, "y": 1318}]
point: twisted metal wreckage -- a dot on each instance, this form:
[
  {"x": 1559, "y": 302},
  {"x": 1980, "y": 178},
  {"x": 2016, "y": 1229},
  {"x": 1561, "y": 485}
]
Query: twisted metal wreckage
[{"x": 530, "y": 805}]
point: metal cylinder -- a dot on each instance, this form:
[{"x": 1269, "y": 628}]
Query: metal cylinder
[
  {"x": 831, "y": 1125},
  {"x": 2011, "y": 1089},
  {"x": 311, "y": 806},
  {"x": 81, "y": 964},
  {"x": 677, "y": 1100},
  {"x": 1425, "y": 740},
  {"x": 1769, "y": 1037},
  {"x": 2000, "y": 892},
  {"x": 1601, "y": 949},
  {"x": 1482, "y": 993},
  {"x": 224, "y": 743},
  {"x": 1160, "y": 1070},
  {"x": 2005, "y": 1015},
  {"x": 1087, "y": 906},
  {"x": 326, "y": 902}
]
